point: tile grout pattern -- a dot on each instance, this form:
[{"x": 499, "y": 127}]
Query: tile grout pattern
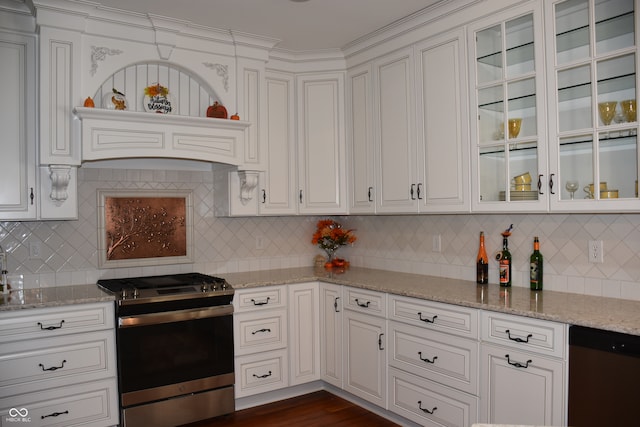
[{"x": 394, "y": 242}]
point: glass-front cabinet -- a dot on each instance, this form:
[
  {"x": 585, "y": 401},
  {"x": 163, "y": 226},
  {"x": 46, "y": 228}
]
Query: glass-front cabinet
[
  {"x": 509, "y": 155},
  {"x": 593, "y": 128}
]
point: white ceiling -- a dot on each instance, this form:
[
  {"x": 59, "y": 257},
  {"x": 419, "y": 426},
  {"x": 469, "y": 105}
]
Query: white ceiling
[{"x": 301, "y": 26}]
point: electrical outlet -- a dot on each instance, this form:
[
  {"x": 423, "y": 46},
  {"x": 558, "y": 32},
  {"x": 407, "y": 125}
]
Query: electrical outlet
[
  {"x": 259, "y": 243},
  {"x": 596, "y": 251},
  {"x": 34, "y": 250},
  {"x": 436, "y": 244}
]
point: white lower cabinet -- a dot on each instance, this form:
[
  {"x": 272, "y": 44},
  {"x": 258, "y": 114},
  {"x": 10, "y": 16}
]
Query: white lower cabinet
[
  {"x": 365, "y": 357},
  {"x": 58, "y": 365},
  {"x": 523, "y": 367},
  {"x": 304, "y": 332},
  {"x": 276, "y": 336},
  {"x": 331, "y": 328},
  {"x": 432, "y": 363},
  {"x": 428, "y": 403},
  {"x": 261, "y": 372},
  {"x": 260, "y": 324}
]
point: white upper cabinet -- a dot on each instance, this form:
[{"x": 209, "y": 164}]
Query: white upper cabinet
[
  {"x": 592, "y": 63},
  {"x": 278, "y": 184},
  {"x": 360, "y": 149},
  {"x": 507, "y": 94},
  {"x": 408, "y": 134},
  {"x": 321, "y": 144},
  {"x": 18, "y": 124},
  {"x": 397, "y": 186},
  {"x": 442, "y": 124}
]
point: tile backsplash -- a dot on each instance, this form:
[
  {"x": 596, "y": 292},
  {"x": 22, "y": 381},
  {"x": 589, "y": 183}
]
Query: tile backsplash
[{"x": 68, "y": 249}]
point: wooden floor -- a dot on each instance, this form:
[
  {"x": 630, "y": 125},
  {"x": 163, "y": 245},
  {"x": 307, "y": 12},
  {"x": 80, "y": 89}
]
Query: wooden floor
[{"x": 320, "y": 408}]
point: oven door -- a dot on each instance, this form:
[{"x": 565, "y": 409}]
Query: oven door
[{"x": 172, "y": 353}]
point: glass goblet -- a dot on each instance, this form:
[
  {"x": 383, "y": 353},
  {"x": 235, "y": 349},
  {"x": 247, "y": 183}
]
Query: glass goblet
[{"x": 571, "y": 187}]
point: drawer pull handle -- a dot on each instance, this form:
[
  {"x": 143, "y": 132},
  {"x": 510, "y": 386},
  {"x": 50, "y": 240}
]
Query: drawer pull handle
[
  {"x": 262, "y": 376},
  {"x": 260, "y": 330},
  {"x": 53, "y": 368},
  {"x": 335, "y": 304},
  {"x": 50, "y": 328},
  {"x": 518, "y": 364},
  {"x": 365, "y": 305},
  {"x": 427, "y": 360},
  {"x": 265, "y": 302},
  {"x": 518, "y": 339},
  {"x": 380, "y": 342},
  {"x": 432, "y": 320},
  {"x": 425, "y": 409},
  {"x": 55, "y": 414}
]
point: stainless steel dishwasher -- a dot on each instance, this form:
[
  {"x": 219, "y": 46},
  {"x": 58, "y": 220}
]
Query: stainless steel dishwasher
[{"x": 604, "y": 378}]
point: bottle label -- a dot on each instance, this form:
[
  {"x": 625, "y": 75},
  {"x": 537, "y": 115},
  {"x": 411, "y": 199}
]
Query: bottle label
[
  {"x": 482, "y": 273},
  {"x": 504, "y": 272},
  {"x": 535, "y": 274}
]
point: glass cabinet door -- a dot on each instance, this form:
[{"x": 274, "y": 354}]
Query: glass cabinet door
[
  {"x": 509, "y": 162},
  {"x": 593, "y": 125}
]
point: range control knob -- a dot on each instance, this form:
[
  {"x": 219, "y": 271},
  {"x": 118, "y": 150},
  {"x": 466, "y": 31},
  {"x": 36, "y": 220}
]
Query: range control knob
[
  {"x": 136, "y": 293},
  {"x": 224, "y": 285},
  {"x": 204, "y": 287},
  {"x": 124, "y": 294}
]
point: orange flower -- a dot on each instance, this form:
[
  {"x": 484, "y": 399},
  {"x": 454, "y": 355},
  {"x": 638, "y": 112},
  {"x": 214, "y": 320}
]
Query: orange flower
[
  {"x": 330, "y": 235},
  {"x": 156, "y": 90}
]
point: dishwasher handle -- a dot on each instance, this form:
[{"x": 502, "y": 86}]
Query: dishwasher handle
[{"x": 607, "y": 341}]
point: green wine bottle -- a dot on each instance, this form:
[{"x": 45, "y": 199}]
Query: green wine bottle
[{"x": 536, "y": 266}]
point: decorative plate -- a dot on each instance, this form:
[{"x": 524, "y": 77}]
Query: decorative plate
[
  {"x": 158, "y": 100},
  {"x": 115, "y": 100}
]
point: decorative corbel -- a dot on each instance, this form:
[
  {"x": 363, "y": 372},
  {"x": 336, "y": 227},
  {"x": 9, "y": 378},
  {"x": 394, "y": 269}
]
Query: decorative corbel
[
  {"x": 60, "y": 176},
  {"x": 248, "y": 184}
]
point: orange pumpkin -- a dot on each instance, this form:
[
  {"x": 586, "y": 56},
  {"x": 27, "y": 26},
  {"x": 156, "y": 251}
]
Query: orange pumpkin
[
  {"x": 235, "y": 117},
  {"x": 217, "y": 111},
  {"x": 89, "y": 102}
]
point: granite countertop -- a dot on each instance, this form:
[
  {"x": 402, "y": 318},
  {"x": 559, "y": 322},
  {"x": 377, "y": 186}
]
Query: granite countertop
[
  {"x": 53, "y": 297},
  {"x": 598, "y": 312}
]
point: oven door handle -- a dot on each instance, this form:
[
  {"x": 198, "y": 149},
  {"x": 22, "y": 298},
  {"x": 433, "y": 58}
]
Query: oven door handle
[{"x": 174, "y": 316}]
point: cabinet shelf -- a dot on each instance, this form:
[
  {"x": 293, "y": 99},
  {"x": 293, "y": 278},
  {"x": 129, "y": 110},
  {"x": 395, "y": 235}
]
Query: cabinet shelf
[
  {"x": 608, "y": 85},
  {"x": 606, "y": 29},
  {"x": 517, "y": 103},
  {"x": 616, "y": 141},
  {"x": 515, "y": 55}
]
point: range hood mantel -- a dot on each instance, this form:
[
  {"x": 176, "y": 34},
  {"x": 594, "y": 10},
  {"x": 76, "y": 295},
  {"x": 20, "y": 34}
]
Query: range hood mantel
[{"x": 111, "y": 134}]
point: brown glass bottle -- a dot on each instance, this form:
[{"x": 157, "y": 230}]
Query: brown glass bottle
[{"x": 482, "y": 263}]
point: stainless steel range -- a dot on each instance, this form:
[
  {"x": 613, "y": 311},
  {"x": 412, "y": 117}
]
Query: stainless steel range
[{"x": 175, "y": 348}]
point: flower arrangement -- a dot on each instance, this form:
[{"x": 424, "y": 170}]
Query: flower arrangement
[
  {"x": 155, "y": 90},
  {"x": 330, "y": 235}
]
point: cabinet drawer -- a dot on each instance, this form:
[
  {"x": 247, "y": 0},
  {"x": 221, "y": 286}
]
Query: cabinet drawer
[
  {"x": 262, "y": 372},
  {"x": 364, "y": 301},
  {"x": 447, "y": 359},
  {"x": 260, "y": 298},
  {"x": 261, "y": 331},
  {"x": 55, "y": 321},
  {"x": 524, "y": 334},
  {"x": 435, "y": 316},
  {"x": 94, "y": 403},
  {"x": 428, "y": 403},
  {"x": 33, "y": 365}
]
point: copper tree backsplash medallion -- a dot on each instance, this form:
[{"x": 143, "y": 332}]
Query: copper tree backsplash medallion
[{"x": 145, "y": 228}]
